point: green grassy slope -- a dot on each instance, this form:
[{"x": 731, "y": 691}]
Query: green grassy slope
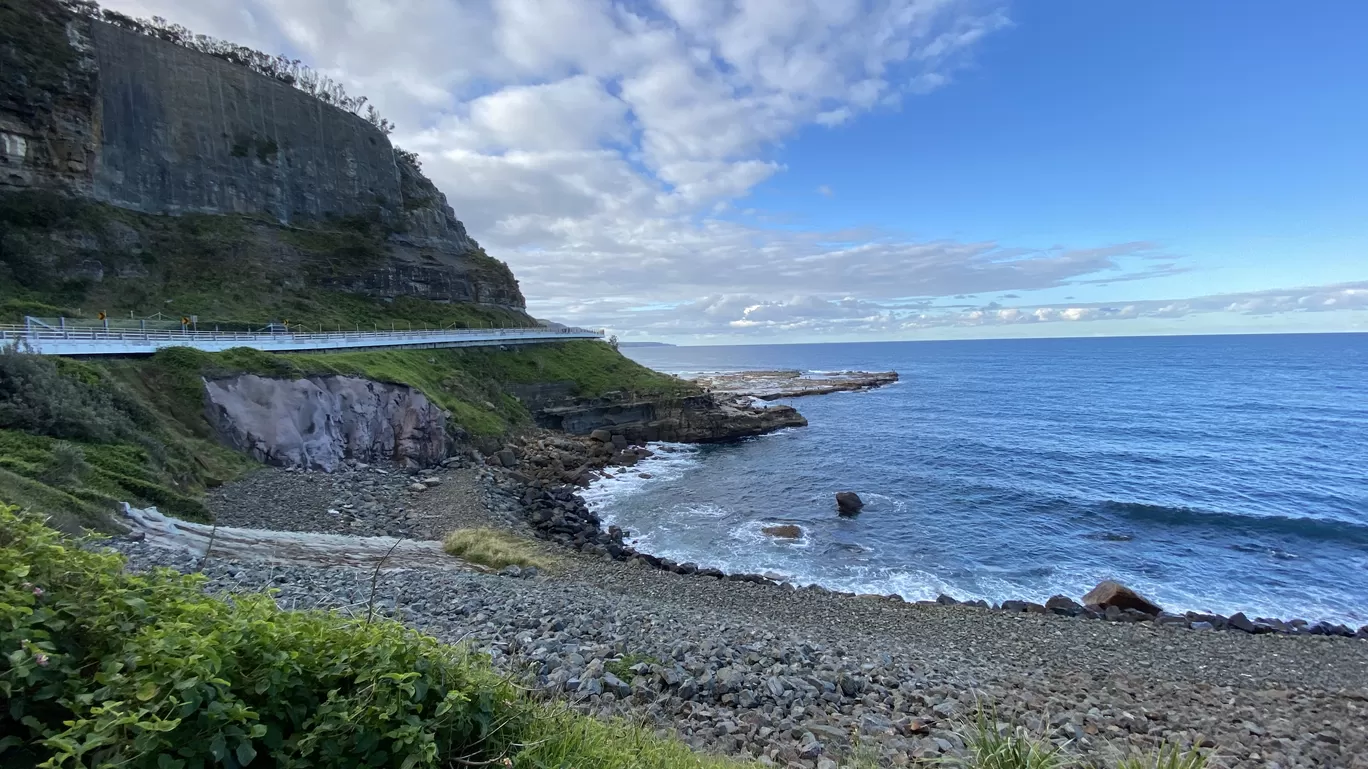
[
  {"x": 138, "y": 431},
  {"x": 64, "y": 256}
]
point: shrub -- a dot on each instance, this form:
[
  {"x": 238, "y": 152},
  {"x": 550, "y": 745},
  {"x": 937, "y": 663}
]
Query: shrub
[
  {"x": 67, "y": 466},
  {"x": 103, "y": 668},
  {"x": 38, "y": 396},
  {"x": 493, "y": 548}
]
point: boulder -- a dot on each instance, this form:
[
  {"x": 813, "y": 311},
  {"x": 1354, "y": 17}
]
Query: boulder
[
  {"x": 848, "y": 503},
  {"x": 783, "y": 531},
  {"x": 507, "y": 458},
  {"x": 1109, "y": 593},
  {"x": 1064, "y": 605},
  {"x": 602, "y": 436}
]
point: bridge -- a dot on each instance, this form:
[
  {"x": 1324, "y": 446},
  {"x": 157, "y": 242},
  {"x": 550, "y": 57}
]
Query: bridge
[{"x": 43, "y": 339}]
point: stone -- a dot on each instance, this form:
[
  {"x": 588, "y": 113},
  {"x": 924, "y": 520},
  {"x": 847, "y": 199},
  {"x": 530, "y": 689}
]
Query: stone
[
  {"x": 1064, "y": 606},
  {"x": 507, "y": 458},
  {"x": 1239, "y": 621},
  {"x": 318, "y": 422},
  {"x": 783, "y": 531},
  {"x": 848, "y": 503},
  {"x": 601, "y": 435},
  {"x": 945, "y": 600},
  {"x": 1110, "y": 593},
  {"x": 416, "y": 487}
]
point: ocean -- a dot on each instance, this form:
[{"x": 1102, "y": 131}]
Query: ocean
[{"x": 1211, "y": 473}]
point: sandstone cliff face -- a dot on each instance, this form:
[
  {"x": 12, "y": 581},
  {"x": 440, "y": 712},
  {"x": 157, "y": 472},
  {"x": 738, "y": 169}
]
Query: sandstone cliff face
[
  {"x": 121, "y": 118},
  {"x": 320, "y": 422}
]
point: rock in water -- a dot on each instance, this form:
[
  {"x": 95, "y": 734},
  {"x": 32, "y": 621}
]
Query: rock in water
[
  {"x": 1109, "y": 593},
  {"x": 848, "y": 503},
  {"x": 784, "y": 531}
]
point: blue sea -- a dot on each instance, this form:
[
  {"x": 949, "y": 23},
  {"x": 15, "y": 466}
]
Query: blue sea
[{"x": 1214, "y": 473}]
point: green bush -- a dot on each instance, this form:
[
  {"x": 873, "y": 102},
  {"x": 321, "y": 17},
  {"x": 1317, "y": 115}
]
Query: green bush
[
  {"x": 102, "y": 668},
  {"x": 99, "y": 667},
  {"x": 67, "y": 466},
  {"x": 65, "y": 399}
]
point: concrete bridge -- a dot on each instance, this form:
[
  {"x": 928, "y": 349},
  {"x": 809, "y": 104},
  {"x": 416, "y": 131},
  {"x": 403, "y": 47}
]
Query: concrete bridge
[{"x": 81, "y": 341}]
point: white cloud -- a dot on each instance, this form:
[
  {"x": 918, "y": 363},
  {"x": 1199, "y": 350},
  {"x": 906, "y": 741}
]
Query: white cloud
[{"x": 601, "y": 146}]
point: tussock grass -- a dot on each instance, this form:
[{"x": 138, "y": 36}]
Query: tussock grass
[
  {"x": 1168, "y": 757},
  {"x": 994, "y": 744},
  {"x": 493, "y": 548},
  {"x": 990, "y": 744},
  {"x": 561, "y": 738}
]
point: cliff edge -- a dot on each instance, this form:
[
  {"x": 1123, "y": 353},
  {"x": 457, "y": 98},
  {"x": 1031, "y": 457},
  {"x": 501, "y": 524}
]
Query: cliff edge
[{"x": 137, "y": 129}]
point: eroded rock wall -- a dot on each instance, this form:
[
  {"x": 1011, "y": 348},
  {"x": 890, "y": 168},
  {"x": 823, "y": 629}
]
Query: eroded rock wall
[
  {"x": 110, "y": 115},
  {"x": 319, "y": 422}
]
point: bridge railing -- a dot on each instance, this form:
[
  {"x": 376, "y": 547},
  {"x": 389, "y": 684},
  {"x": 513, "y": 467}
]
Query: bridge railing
[
  {"x": 14, "y": 331},
  {"x": 86, "y": 340}
]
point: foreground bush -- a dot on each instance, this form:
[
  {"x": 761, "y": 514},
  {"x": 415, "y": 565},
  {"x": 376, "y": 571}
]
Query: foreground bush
[{"x": 104, "y": 668}]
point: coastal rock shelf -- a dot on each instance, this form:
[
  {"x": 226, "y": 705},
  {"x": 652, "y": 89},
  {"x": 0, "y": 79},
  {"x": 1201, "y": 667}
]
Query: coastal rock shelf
[{"x": 789, "y": 383}]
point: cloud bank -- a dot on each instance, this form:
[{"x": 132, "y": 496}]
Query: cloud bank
[{"x": 605, "y": 150}]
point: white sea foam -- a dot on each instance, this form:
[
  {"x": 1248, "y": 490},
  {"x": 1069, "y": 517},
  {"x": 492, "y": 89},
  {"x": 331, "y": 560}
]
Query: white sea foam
[{"x": 670, "y": 462}]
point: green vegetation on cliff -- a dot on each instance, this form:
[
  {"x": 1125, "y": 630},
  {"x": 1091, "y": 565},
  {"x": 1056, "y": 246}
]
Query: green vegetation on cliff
[
  {"x": 105, "y": 668},
  {"x": 67, "y": 256},
  {"x": 77, "y": 437}
]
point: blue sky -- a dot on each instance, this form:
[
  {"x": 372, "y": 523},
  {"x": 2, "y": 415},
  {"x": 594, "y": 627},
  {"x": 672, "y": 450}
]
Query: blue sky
[
  {"x": 1236, "y": 138},
  {"x": 822, "y": 170}
]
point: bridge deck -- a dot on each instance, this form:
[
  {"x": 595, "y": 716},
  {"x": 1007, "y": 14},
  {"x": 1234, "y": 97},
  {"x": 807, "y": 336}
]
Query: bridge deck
[{"x": 88, "y": 341}]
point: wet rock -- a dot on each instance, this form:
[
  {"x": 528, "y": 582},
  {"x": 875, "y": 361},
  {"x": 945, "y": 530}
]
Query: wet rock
[
  {"x": 1109, "y": 593},
  {"x": 783, "y": 531},
  {"x": 848, "y": 503},
  {"x": 1064, "y": 605}
]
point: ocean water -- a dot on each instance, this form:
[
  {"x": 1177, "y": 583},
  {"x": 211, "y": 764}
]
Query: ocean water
[{"x": 1220, "y": 473}]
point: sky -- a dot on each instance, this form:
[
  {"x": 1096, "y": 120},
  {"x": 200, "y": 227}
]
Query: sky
[{"x": 754, "y": 171}]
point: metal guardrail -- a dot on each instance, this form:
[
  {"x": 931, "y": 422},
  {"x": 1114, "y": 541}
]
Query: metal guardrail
[{"x": 76, "y": 341}]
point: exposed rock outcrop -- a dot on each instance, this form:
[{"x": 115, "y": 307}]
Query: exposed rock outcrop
[
  {"x": 702, "y": 418},
  {"x": 791, "y": 383},
  {"x": 848, "y": 503},
  {"x": 1110, "y": 594},
  {"x": 320, "y": 422}
]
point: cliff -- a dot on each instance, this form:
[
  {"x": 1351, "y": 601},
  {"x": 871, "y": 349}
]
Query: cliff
[{"x": 135, "y": 124}]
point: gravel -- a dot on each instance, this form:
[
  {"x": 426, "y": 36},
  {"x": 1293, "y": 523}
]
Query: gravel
[{"x": 794, "y": 676}]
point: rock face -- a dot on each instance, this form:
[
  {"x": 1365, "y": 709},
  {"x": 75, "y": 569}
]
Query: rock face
[
  {"x": 789, "y": 383},
  {"x": 848, "y": 503},
  {"x": 319, "y": 422},
  {"x": 1109, "y": 594},
  {"x": 109, "y": 115},
  {"x": 702, "y": 418}
]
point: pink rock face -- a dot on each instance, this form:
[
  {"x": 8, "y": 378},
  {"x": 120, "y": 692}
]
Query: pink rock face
[
  {"x": 1109, "y": 593},
  {"x": 319, "y": 422}
]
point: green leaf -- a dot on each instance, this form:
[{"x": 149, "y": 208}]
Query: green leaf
[
  {"x": 147, "y": 691},
  {"x": 245, "y": 752},
  {"x": 218, "y": 747}
]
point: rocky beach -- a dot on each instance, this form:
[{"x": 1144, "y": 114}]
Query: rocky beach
[{"x": 791, "y": 676}]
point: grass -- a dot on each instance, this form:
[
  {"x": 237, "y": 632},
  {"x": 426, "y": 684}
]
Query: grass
[
  {"x": 233, "y": 271},
  {"x": 77, "y": 438},
  {"x": 991, "y": 744},
  {"x": 622, "y": 668},
  {"x": 139, "y": 423},
  {"x": 1168, "y": 757},
  {"x": 493, "y": 548},
  {"x": 473, "y": 383}
]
